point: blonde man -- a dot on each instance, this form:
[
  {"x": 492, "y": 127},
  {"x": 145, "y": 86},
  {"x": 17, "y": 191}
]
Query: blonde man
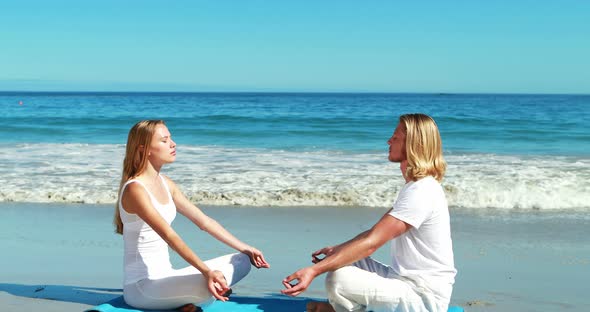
[{"x": 422, "y": 270}]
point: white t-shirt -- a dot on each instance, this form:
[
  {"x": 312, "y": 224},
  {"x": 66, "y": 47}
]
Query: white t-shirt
[{"x": 424, "y": 253}]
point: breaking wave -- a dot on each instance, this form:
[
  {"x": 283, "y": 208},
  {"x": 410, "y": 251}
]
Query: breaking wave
[{"x": 209, "y": 175}]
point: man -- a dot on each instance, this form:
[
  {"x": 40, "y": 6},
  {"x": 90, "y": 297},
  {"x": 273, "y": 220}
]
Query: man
[{"x": 422, "y": 271}]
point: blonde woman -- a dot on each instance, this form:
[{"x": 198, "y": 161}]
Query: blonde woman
[
  {"x": 148, "y": 202},
  {"x": 422, "y": 270}
]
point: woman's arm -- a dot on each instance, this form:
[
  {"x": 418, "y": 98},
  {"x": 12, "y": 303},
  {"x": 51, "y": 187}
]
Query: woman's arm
[
  {"x": 209, "y": 225},
  {"x": 136, "y": 200}
]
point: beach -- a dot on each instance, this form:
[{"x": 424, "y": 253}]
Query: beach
[
  {"x": 291, "y": 173},
  {"x": 507, "y": 260},
  {"x": 279, "y": 123}
]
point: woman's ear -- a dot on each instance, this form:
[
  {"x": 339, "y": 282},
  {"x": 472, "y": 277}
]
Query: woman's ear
[{"x": 142, "y": 149}]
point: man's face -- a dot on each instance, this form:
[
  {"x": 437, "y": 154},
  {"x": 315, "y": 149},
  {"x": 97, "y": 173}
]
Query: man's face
[{"x": 397, "y": 144}]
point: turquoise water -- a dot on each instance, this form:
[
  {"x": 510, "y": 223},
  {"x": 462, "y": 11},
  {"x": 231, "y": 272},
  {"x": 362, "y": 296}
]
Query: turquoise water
[
  {"x": 502, "y": 124},
  {"x": 504, "y": 151}
]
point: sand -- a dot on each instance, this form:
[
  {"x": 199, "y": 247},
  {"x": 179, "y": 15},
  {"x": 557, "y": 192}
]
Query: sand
[{"x": 507, "y": 261}]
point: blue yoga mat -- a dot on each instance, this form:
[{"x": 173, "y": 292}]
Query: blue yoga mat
[{"x": 236, "y": 303}]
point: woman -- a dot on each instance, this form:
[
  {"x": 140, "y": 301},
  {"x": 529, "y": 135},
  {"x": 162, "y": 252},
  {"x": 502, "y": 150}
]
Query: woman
[{"x": 147, "y": 204}]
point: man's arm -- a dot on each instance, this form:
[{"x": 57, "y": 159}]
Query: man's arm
[{"x": 360, "y": 247}]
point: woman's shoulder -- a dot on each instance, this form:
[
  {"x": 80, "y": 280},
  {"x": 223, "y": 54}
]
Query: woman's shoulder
[
  {"x": 169, "y": 182},
  {"x": 134, "y": 195},
  {"x": 134, "y": 188}
]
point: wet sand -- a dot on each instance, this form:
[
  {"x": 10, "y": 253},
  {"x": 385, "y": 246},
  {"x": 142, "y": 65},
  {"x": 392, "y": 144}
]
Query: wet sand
[{"x": 507, "y": 261}]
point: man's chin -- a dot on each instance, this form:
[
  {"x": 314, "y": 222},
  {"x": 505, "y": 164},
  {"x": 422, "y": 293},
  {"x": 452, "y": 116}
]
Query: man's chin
[{"x": 394, "y": 160}]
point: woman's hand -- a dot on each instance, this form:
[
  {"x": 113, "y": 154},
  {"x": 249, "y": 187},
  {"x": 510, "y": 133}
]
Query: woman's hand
[
  {"x": 256, "y": 257},
  {"x": 217, "y": 285}
]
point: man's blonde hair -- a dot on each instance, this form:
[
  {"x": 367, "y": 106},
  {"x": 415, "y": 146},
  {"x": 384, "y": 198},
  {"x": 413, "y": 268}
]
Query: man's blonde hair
[{"x": 423, "y": 147}]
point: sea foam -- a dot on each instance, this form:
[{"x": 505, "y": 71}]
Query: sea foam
[{"x": 210, "y": 175}]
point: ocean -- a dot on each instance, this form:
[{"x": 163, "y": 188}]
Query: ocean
[{"x": 523, "y": 152}]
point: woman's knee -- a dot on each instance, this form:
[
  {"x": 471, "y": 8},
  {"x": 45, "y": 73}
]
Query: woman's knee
[
  {"x": 241, "y": 267},
  {"x": 242, "y": 261}
]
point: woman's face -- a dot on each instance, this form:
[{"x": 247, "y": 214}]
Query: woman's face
[{"x": 162, "y": 149}]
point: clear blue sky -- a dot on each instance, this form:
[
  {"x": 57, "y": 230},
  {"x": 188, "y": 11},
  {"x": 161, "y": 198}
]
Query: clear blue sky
[{"x": 334, "y": 46}]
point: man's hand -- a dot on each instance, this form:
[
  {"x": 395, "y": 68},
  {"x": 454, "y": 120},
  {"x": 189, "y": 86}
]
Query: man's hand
[
  {"x": 326, "y": 251},
  {"x": 217, "y": 285},
  {"x": 256, "y": 257},
  {"x": 303, "y": 277}
]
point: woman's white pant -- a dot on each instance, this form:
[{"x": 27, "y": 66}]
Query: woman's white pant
[
  {"x": 368, "y": 285},
  {"x": 185, "y": 286}
]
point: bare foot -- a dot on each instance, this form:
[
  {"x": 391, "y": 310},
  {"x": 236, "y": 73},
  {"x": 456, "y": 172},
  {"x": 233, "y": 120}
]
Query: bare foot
[
  {"x": 190, "y": 308},
  {"x": 317, "y": 306},
  {"x": 227, "y": 293}
]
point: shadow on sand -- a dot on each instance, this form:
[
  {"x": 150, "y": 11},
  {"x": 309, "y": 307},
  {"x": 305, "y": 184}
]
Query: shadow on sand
[
  {"x": 112, "y": 299},
  {"x": 77, "y": 294}
]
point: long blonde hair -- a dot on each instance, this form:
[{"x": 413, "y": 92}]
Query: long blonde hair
[
  {"x": 136, "y": 159},
  {"x": 423, "y": 147}
]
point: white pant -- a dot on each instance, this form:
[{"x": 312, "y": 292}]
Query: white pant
[
  {"x": 184, "y": 286},
  {"x": 368, "y": 285}
]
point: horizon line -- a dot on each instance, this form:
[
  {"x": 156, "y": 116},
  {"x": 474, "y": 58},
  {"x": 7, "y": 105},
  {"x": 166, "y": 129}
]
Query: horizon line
[{"x": 281, "y": 92}]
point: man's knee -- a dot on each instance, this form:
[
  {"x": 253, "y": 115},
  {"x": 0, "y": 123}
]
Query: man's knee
[
  {"x": 339, "y": 278},
  {"x": 338, "y": 285}
]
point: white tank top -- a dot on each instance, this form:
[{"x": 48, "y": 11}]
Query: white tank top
[{"x": 146, "y": 253}]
